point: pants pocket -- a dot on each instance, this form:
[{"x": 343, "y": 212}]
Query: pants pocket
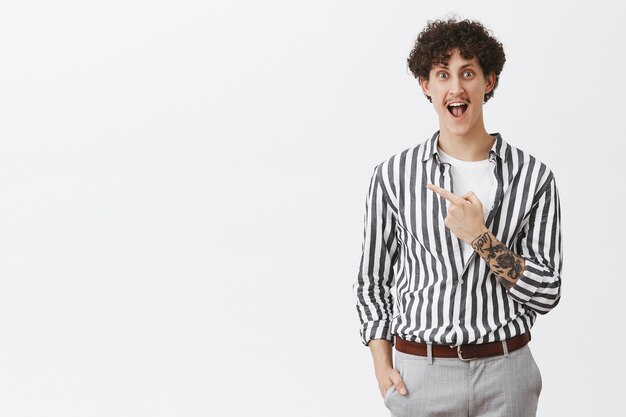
[
  {"x": 395, "y": 402},
  {"x": 388, "y": 393}
]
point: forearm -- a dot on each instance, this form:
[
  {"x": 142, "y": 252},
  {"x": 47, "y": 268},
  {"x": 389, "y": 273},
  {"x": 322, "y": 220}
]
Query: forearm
[
  {"x": 381, "y": 350},
  {"x": 501, "y": 260}
]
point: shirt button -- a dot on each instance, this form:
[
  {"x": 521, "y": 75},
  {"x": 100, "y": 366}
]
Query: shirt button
[{"x": 461, "y": 282}]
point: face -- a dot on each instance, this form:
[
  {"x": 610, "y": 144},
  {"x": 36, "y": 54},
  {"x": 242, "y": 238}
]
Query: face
[{"x": 457, "y": 91}]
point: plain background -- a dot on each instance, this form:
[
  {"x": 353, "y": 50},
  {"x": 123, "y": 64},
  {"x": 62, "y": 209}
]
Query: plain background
[{"x": 182, "y": 191}]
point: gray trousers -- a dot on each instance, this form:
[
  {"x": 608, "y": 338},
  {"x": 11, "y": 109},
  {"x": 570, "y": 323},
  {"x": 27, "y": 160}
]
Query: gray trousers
[{"x": 499, "y": 386}]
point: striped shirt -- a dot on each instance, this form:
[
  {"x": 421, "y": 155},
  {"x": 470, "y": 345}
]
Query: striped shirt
[{"x": 413, "y": 281}]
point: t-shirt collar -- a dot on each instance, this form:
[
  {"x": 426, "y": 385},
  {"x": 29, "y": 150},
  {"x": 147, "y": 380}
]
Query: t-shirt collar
[{"x": 498, "y": 149}]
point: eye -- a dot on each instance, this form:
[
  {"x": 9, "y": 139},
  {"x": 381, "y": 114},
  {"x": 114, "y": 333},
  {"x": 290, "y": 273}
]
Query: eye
[
  {"x": 442, "y": 75},
  {"x": 468, "y": 74}
]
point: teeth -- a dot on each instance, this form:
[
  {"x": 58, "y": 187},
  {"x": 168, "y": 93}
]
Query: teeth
[{"x": 456, "y": 104}]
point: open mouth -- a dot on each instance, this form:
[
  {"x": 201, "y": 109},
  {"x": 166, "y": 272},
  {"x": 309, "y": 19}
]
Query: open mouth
[{"x": 457, "y": 109}]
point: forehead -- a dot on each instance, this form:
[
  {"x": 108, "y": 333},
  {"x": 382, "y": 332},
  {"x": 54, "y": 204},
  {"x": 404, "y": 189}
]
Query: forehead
[{"x": 456, "y": 61}]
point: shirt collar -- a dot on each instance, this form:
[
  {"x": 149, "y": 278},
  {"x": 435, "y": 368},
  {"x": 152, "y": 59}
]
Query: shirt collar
[{"x": 499, "y": 149}]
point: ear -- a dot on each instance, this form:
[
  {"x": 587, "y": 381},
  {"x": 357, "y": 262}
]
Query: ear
[
  {"x": 424, "y": 84},
  {"x": 490, "y": 82}
]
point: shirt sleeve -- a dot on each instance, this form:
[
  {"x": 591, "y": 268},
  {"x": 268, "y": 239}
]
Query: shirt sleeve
[
  {"x": 373, "y": 288},
  {"x": 540, "y": 245}
]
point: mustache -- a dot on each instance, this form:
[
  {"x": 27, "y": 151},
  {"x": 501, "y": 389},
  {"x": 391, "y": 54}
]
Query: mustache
[{"x": 461, "y": 99}]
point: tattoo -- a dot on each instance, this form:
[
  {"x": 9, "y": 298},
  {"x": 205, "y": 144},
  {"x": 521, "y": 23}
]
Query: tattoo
[
  {"x": 502, "y": 261},
  {"x": 480, "y": 241}
]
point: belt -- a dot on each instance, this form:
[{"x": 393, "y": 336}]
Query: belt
[{"x": 463, "y": 352}]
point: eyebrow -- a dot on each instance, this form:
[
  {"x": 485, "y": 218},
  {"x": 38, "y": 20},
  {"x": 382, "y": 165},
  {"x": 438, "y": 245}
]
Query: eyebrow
[{"x": 447, "y": 67}]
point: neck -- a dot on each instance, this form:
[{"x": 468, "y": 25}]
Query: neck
[{"x": 467, "y": 147}]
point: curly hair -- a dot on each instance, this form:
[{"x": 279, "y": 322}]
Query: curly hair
[{"x": 434, "y": 46}]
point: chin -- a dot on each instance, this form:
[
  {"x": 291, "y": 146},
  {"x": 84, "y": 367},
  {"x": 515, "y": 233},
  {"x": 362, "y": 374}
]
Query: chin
[{"x": 459, "y": 130}]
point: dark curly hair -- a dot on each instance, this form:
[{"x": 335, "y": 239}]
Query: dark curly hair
[{"x": 440, "y": 37}]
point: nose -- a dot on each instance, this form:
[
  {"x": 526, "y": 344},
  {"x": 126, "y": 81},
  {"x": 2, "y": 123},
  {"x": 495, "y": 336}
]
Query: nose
[{"x": 456, "y": 86}]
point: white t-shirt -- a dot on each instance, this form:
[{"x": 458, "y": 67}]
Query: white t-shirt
[{"x": 476, "y": 176}]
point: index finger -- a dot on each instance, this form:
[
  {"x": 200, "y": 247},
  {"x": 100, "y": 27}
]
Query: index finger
[{"x": 453, "y": 198}]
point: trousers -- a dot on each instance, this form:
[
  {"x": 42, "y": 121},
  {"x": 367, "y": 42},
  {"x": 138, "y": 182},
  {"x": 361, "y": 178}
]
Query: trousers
[{"x": 500, "y": 386}]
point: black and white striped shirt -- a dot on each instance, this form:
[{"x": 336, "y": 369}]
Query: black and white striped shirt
[{"x": 412, "y": 279}]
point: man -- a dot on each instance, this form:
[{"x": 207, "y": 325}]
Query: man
[{"x": 463, "y": 233}]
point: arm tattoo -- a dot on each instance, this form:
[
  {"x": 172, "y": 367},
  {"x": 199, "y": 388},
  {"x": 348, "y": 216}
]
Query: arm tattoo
[{"x": 502, "y": 261}]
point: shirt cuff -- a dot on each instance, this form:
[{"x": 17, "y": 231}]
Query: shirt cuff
[
  {"x": 528, "y": 284},
  {"x": 378, "y": 329}
]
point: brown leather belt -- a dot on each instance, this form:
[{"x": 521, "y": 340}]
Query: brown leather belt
[{"x": 463, "y": 352}]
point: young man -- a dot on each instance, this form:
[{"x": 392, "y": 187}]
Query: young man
[{"x": 463, "y": 233}]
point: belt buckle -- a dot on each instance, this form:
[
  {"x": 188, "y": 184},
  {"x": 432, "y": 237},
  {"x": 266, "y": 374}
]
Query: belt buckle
[{"x": 460, "y": 354}]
